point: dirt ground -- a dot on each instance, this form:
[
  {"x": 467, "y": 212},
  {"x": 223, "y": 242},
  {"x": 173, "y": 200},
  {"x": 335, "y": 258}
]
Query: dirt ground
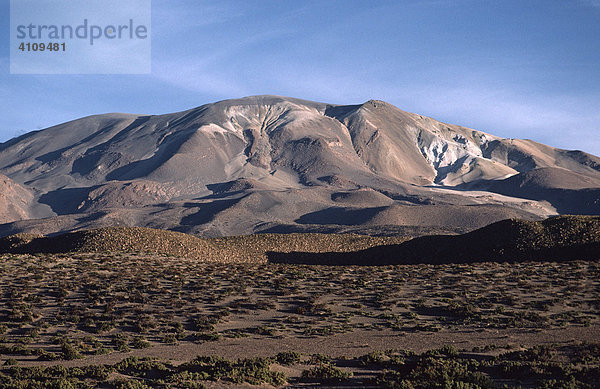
[{"x": 91, "y": 309}]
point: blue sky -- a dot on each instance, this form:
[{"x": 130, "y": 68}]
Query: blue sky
[{"x": 520, "y": 69}]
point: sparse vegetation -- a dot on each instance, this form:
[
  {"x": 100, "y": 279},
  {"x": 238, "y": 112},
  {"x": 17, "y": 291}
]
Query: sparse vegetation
[
  {"x": 548, "y": 366},
  {"x": 71, "y": 307},
  {"x": 129, "y": 302}
]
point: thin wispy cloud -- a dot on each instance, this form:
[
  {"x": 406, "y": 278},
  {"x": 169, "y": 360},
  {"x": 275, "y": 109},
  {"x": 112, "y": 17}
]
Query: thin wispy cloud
[
  {"x": 196, "y": 77},
  {"x": 593, "y": 3},
  {"x": 174, "y": 18},
  {"x": 565, "y": 121}
]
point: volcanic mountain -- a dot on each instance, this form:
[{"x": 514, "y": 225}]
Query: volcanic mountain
[{"x": 278, "y": 164}]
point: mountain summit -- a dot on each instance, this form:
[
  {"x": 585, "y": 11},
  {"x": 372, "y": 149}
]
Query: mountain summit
[{"x": 278, "y": 164}]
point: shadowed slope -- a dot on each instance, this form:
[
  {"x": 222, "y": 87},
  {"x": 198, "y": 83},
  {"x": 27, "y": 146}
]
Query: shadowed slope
[
  {"x": 555, "y": 239},
  {"x": 567, "y": 191}
]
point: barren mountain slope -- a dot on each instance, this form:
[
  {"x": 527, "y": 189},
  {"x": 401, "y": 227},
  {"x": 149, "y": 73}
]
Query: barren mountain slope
[
  {"x": 268, "y": 163},
  {"x": 15, "y": 201}
]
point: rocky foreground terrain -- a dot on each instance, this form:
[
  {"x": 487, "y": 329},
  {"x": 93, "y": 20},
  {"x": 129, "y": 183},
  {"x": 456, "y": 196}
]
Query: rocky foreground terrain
[{"x": 119, "y": 320}]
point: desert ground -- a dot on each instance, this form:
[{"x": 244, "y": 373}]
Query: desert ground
[{"x": 127, "y": 320}]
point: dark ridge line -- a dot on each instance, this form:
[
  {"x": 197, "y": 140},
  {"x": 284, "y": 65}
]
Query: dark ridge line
[{"x": 557, "y": 239}]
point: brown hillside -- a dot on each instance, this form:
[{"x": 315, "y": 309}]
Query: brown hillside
[{"x": 250, "y": 248}]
